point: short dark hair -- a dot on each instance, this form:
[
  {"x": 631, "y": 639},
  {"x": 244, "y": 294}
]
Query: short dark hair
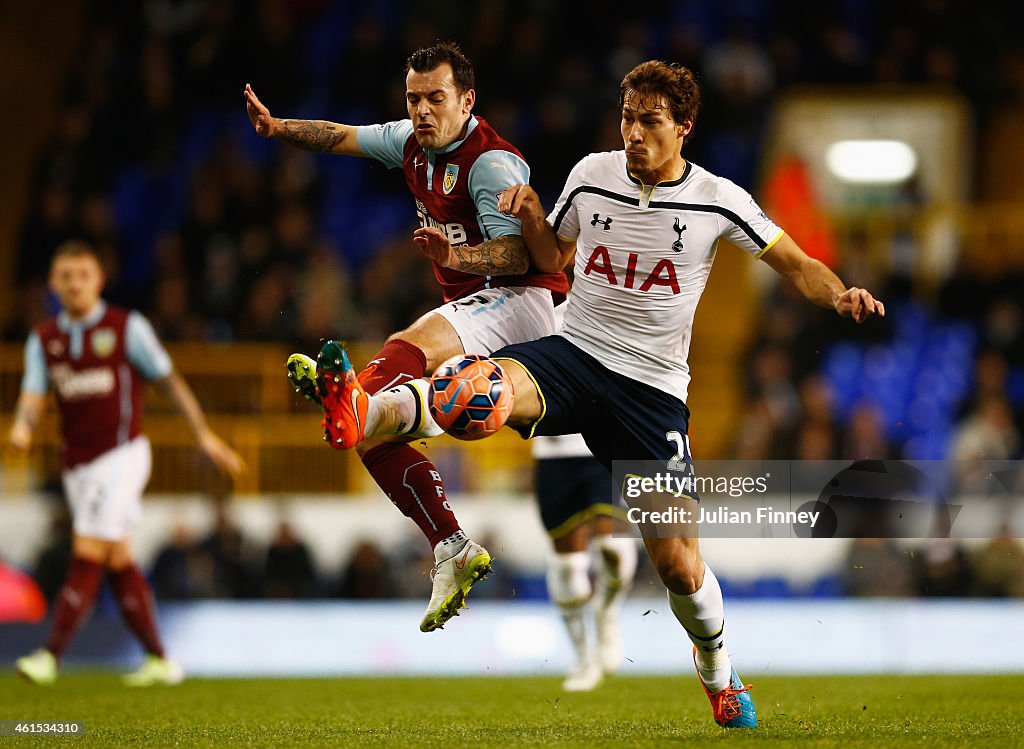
[
  {"x": 428, "y": 58},
  {"x": 76, "y": 248},
  {"x": 654, "y": 79}
]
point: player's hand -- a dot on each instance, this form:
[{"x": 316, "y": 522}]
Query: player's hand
[
  {"x": 434, "y": 244},
  {"x": 520, "y": 201},
  {"x": 858, "y": 304},
  {"x": 259, "y": 115},
  {"x": 226, "y": 459},
  {"x": 20, "y": 437}
]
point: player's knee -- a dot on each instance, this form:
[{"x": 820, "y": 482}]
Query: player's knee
[
  {"x": 120, "y": 556},
  {"x": 374, "y": 442},
  {"x": 433, "y": 336},
  {"x": 574, "y": 540},
  {"x": 527, "y": 406},
  {"x": 408, "y": 335},
  {"x": 92, "y": 549}
]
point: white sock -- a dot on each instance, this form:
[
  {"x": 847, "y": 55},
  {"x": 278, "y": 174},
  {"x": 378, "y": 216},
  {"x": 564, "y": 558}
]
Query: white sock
[
  {"x": 448, "y": 547},
  {"x": 424, "y": 426},
  {"x": 702, "y": 615},
  {"x": 402, "y": 410},
  {"x": 615, "y": 573},
  {"x": 569, "y": 587},
  {"x": 375, "y": 412}
]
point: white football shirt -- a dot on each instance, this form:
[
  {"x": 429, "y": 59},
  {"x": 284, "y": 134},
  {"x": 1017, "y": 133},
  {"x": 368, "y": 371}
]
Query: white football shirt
[{"x": 643, "y": 255}]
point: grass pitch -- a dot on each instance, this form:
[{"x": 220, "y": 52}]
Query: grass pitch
[{"x": 935, "y": 711}]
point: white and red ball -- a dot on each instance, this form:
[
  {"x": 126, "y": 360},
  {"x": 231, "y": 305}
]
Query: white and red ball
[{"x": 470, "y": 396}]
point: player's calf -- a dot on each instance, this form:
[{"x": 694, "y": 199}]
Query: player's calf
[{"x": 614, "y": 580}]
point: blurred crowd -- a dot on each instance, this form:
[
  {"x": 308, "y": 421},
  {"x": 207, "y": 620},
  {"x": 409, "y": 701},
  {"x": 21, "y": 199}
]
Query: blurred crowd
[
  {"x": 938, "y": 568},
  {"x": 227, "y": 563},
  {"x": 923, "y": 384},
  {"x": 219, "y": 236}
]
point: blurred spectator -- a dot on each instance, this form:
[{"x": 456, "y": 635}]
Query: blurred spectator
[
  {"x": 987, "y": 433},
  {"x": 757, "y": 438},
  {"x": 227, "y": 549},
  {"x": 415, "y": 564},
  {"x": 877, "y": 567},
  {"x": 999, "y": 567},
  {"x": 815, "y": 441},
  {"x": 773, "y": 371},
  {"x": 864, "y": 436},
  {"x": 288, "y": 572},
  {"x": 182, "y": 571},
  {"x": 943, "y": 569},
  {"x": 366, "y": 575}
]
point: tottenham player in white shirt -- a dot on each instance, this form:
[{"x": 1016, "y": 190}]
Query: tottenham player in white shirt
[{"x": 643, "y": 224}]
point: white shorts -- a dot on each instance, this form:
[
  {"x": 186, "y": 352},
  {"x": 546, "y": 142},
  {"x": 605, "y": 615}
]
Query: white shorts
[
  {"x": 105, "y": 495},
  {"x": 491, "y": 318}
]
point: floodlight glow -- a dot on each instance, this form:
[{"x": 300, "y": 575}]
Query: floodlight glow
[{"x": 871, "y": 161}]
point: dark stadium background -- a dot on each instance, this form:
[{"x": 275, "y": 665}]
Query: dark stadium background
[{"x": 124, "y": 122}]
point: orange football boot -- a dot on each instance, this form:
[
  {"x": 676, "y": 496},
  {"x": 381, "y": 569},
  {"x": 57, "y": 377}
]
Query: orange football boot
[{"x": 344, "y": 401}]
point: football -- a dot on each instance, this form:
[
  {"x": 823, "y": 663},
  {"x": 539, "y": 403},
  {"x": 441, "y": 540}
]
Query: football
[{"x": 470, "y": 396}]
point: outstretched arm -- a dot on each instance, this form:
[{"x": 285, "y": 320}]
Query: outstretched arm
[
  {"x": 311, "y": 135},
  {"x": 819, "y": 284},
  {"x": 501, "y": 256},
  {"x": 226, "y": 459}
]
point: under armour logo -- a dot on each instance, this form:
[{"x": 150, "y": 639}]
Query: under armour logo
[
  {"x": 677, "y": 246},
  {"x": 416, "y": 163},
  {"x": 607, "y": 223}
]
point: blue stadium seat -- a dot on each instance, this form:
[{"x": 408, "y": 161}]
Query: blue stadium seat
[
  {"x": 528, "y": 587},
  {"x": 771, "y": 587}
]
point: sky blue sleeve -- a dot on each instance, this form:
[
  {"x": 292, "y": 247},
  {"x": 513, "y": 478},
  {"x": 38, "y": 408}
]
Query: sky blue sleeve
[
  {"x": 386, "y": 142},
  {"x": 36, "y": 379},
  {"x": 492, "y": 172},
  {"x": 144, "y": 350}
]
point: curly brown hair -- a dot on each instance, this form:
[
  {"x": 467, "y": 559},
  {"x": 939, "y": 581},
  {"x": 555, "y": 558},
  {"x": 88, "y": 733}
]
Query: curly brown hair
[{"x": 655, "y": 80}]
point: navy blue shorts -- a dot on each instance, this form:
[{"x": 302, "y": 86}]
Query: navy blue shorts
[
  {"x": 572, "y": 491},
  {"x": 620, "y": 418}
]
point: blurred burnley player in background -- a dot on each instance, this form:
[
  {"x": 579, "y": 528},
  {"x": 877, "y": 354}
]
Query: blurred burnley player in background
[
  {"x": 96, "y": 357},
  {"x": 455, "y": 165}
]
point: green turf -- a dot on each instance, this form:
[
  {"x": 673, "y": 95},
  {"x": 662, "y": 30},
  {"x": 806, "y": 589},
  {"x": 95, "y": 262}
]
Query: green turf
[{"x": 807, "y": 712}]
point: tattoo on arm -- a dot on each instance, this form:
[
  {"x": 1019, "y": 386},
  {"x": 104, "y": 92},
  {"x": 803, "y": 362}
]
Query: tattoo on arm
[
  {"x": 311, "y": 135},
  {"x": 503, "y": 256}
]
